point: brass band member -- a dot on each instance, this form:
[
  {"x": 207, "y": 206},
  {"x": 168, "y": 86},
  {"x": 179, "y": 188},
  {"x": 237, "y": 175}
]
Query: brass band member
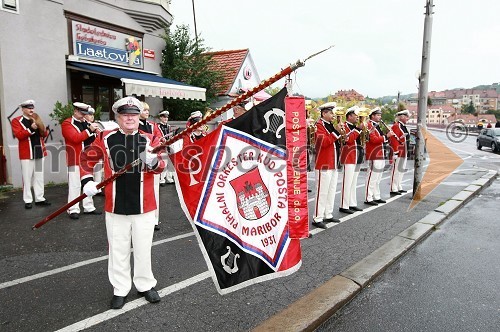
[
  {"x": 167, "y": 176},
  {"x": 351, "y": 157},
  {"x": 30, "y": 131},
  {"x": 375, "y": 157},
  {"x": 400, "y": 143},
  {"x": 327, "y": 164}
]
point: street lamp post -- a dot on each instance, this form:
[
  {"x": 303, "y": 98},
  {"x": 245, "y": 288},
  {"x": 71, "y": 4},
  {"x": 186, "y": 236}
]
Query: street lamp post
[
  {"x": 422, "y": 101},
  {"x": 194, "y": 19}
]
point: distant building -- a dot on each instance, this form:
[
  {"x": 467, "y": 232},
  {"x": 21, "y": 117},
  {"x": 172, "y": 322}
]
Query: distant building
[
  {"x": 349, "y": 95},
  {"x": 239, "y": 75},
  {"x": 471, "y": 120}
]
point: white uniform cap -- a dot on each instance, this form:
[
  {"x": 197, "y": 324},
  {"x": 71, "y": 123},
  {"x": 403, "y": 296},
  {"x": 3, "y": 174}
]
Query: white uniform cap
[
  {"x": 195, "y": 114},
  {"x": 166, "y": 113},
  {"x": 30, "y": 103},
  {"x": 82, "y": 107},
  {"x": 352, "y": 109},
  {"x": 376, "y": 110},
  {"x": 127, "y": 105},
  {"x": 328, "y": 106},
  {"x": 91, "y": 110},
  {"x": 403, "y": 112}
]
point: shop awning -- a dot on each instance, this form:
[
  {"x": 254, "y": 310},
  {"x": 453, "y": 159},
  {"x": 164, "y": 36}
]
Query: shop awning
[{"x": 146, "y": 84}]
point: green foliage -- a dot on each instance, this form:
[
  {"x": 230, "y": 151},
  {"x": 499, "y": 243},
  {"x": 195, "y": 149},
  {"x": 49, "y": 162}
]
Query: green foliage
[
  {"x": 272, "y": 90},
  {"x": 469, "y": 109},
  {"x": 183, "y": 60},
  {"x": 61, "y": 112},
  {"x": 495, "y": 112},
  {"x": 388, "y": 114}
]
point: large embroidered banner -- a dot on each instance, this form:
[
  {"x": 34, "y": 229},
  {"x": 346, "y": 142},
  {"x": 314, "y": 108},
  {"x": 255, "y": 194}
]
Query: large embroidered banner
[{"x": 244, "y": 189}]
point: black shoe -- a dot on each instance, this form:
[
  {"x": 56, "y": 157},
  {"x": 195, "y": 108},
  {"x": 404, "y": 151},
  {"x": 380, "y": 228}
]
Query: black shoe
[
  {"x": 163, "y": 184},
  {"x": 117, "y": 302},
  {"x": 331, "y": 220},
  {"x": 74, "y": 215},
  {"x": 28, "y": 205},
  {"x": 43, "y": 203},
  {"x": 346, "y": 211},
  {"x": 355, "y": 208},
  {"x": 151, "y": 295},
  {"x": 395, "y": 193},
  {"x": 93, "y": 212},
  {"x": 319, "y": 224},
  {"x": 381, "y": 201},
  {"x": 157, "y": 227},
  {"x": 374, "y": 203},
  {"x": 403, "y": 191}
]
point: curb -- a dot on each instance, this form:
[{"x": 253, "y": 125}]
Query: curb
[{"x": 310, "y": 311}]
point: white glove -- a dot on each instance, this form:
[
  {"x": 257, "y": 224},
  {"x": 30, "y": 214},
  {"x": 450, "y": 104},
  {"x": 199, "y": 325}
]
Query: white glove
[
  {"x": 90, "y": 188},
  {"x": 149, "y": 158}
]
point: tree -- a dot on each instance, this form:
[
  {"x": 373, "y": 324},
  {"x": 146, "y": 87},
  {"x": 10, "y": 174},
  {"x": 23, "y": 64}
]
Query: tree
[
  {"x": 272, "y": 90},
  {"x": 183, "y": 60},
  {"x": 469, "y": 109}
]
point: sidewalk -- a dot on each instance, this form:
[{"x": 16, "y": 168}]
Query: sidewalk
[{"x": 312, "y": 310}]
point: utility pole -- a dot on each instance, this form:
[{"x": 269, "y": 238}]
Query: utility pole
[
  {"x": 194, "y": 19},
  {"x": 422, "y": 100}
]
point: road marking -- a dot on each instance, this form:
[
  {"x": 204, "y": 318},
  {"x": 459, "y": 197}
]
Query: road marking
[
  {"x": 80, "y": 264},
  {"x": 112, "y": 313}
]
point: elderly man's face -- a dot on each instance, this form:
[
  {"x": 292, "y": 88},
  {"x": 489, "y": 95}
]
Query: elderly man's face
[
  {"x": 28, "y": 111},
  {"x": 128, "y": 122}
]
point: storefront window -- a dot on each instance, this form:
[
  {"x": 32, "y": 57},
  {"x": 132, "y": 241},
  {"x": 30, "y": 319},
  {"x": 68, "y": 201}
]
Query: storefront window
[{"x": 88, "y": 94}]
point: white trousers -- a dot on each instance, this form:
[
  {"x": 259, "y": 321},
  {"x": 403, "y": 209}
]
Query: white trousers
[
  {"x": 326, "y": 185},
  {"x": 99, "y": 173},
  {"x": 157, "y": 197},
  {"x": 167, "y": 175},
  {"x": 398, "y": 170},
  {"x": 75, "y": 190},
  {"x": 375, "y": 170},
  {"x": 123, "y": 230},
  {"x": 349, "y": 183},
  {"x": 32, "y": 171}
]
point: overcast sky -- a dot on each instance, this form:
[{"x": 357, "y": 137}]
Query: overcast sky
[{"x": 378, "y": 44}]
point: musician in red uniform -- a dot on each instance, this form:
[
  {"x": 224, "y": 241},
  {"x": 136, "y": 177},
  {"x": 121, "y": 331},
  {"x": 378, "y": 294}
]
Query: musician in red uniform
[
  {"x": 352, "y": 156},
  {"x": 77, "y": 133},
  {"x": 130, "y": 201},
  {"x": 375, "y": 157},
  {"x": 400, "y": 143},
  {"x": 31, "y": 134},
  {"x": 167, "y": 176},
  {"x": 197, "y": 134},
  {"x": 327, "y": 146}
]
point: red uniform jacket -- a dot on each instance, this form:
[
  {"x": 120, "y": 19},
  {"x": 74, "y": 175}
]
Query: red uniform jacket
[
  {"x": 75, "y": 133},
  {"x": 352, "y": 151},
  {"x": 327, "y": 146},
  {"x": 375, "y": 144},
  {"x": 132, "y": 192},
  {"x": 150, "y": 128},
  {"x": 31, "y": 144},
  {"x": 400, "y": 141}
]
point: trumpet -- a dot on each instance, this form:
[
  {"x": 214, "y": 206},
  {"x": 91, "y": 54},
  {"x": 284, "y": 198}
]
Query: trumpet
[{"x": 363, "y": 115}]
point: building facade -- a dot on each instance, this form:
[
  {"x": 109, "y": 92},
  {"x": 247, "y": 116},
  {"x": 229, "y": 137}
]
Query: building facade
[{"x": 94, "y": 51}]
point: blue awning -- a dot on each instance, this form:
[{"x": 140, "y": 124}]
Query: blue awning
[{"x": 146, "y": 84}]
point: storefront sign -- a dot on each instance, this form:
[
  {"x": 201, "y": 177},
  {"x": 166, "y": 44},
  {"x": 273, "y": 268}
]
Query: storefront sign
[
  {"x": 104, "y": 45},
  {"x": 150, "y": 54}
]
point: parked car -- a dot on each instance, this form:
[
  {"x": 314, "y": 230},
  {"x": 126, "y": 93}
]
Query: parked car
[{"x": 489, "y": 137}]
